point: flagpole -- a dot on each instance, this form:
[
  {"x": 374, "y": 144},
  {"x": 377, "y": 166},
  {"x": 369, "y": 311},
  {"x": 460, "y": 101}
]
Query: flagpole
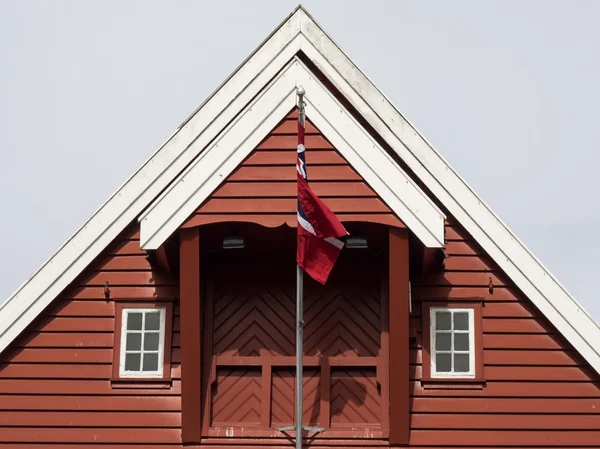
[
  {"x": 299, "y": 314},
  {"x": 299, "y": 337}
]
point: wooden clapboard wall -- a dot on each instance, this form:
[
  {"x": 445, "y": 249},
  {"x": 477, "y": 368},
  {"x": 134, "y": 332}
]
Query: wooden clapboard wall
[
  {"x": 263, "y": 188},
  {"x": 55, "y": 379},
  {"x": 537, "y": 390}
]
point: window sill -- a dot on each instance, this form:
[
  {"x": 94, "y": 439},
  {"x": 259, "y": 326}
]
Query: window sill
[
  {"x": 141, "y": 384},
  {"x": 452, "y": 384}
]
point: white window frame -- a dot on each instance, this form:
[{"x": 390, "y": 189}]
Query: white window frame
[
  {"x": 432, "y": 332},
  {"x": 161, "y": 342}
]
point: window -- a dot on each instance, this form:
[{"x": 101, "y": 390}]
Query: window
[
  {"x": 142, "y": 342},
  {"x": 452, "y": 342},
  {"x": 452, "y": 345}
]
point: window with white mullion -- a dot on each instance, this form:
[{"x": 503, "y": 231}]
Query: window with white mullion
[
  {"x": 452, "y": 341},
  {"x": 142, "y": 342}
]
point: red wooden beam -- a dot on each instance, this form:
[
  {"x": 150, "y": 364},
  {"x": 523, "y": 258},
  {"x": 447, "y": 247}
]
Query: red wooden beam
[
  {"x": 398, "y": 337},
  {"x": 190, "y": 324}
]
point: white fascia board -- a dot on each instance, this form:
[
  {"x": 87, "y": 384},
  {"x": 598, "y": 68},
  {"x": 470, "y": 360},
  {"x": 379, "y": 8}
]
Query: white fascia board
[
  {"x": 525, "y": 270},
  {"x": 218, "y": 160},
  {"x": 130, "y": 199},
  {"x": 236, "y": 142},
  {"x": 372, "y": 162}
]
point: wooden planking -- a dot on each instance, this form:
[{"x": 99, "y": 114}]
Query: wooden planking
[
  {"x": 520, "y": 358},
  {"x": 276, "y": 220},
  {"x": 469, "y": 263},
  {"x": 523, "y": 405},
  {"x": 318, "y": 173},
  {"x": 290, "y": 126},
  {"x": 80, "y": 387},
  {"x": 90, "y": 403},
  {"x": 263, "y": 188},
  {"x": 520, "y": 438},
  {"x": 80, "y": 324},
  {"x": 120, "y": 278},
  {"x": 289, "y": 205},
  {"x": 450, "y": 292},
  {"x": 252, "y": 328},
  {"x": 55, "y": 380},
  {"x": 89, "y": 419},
  {"x": 137, "y": 292},
  {"x": 459, "y": 279},
  {"x": 498, "y": 309},
  {"x": 71, "y": 435},
  {"x": 71, "y": 355},
  {"x": 67, "y": 340},
  {"x": 512, "y": 389},
  {"x": 223, "y": 442},
  {"x": 537, "y": 392},
  {"x": 122, "y": 263},
  {"x": 125, "y": 248},
  {"x": 522, "y": 341},
  {"x": 504, "y": 325},
  {"x": 289, "y": 189},
  {"x": 504, "y": 421},
  {"x": 289, "y": 158},
  {"x": 277, "y": 142},
  {"x": 63, "y": 371}
]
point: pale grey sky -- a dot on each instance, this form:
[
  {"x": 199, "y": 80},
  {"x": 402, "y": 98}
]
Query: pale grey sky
[{"x": 507, "y": 91}]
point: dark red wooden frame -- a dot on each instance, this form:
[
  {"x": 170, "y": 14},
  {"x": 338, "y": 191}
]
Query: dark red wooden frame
[
  {"x": 143, "y": 382},
  {"x": 476, "y": 305},
  {"x": 399, "y": 325},
  {"x": 191, "y": 332}
]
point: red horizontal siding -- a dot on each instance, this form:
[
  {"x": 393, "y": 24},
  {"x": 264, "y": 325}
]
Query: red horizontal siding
[
  {"x": 537, "y": 392},
  {"x": 55, "y": 386},
  {"x": 263, "y": 188}
]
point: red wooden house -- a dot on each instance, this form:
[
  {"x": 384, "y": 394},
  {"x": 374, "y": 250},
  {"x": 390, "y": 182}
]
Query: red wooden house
[{"x": 167, "y": 319}]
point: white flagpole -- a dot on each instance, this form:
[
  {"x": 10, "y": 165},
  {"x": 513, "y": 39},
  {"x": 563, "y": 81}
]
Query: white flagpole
[{"x": 299, "y": 314}]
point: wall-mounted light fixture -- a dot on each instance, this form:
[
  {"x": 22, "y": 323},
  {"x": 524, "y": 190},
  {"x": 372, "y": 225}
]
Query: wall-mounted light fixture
[
  {"x": 233, "y": 242},
  {"x": 356, "y": 242}
]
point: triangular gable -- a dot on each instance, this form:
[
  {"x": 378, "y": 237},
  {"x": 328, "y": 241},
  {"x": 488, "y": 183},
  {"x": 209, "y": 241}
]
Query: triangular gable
[
  {"x": 300, "y": 33},
  {"x": 263, "y": 189},
  {"x": 236, "y": 142}
]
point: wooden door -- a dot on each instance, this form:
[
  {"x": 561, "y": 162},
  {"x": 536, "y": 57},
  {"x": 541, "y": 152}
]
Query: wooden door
[{"x": 249, "y": 344}]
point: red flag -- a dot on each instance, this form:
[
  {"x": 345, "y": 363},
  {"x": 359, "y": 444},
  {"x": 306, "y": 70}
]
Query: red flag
[{"x": 319, "y": 229}]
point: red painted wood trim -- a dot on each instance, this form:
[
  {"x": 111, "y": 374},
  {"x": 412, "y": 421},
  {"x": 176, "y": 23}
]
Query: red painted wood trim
[
  {"x": 383, "y": 368},
  {"x": 325, "y": 406},
  {"x": 208, "y": 364},
  {"x": 265, "y": 398},
  {"x": 478, "y": 330},
  {"x": 190, "y": 323},
  {"x": 399, "y": 420}
]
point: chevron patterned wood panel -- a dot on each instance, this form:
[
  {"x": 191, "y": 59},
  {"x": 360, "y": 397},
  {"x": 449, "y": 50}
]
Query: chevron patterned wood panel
[
  {"x": 252, "y": 349},
  {"x": 284, "y": 396}
]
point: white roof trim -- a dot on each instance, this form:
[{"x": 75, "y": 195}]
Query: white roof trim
[
  {"x": 236, "y": 142},
  {"x": 300, "y": 32},
  {"x": 525, "y": 270}
]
